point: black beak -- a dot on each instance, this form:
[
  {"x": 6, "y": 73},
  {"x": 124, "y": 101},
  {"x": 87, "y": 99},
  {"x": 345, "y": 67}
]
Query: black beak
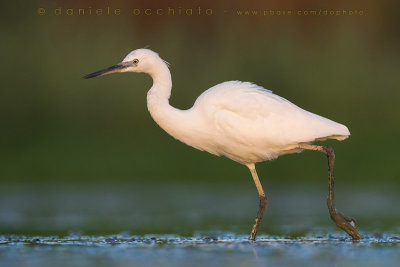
[{"x": 116, "y": 68}]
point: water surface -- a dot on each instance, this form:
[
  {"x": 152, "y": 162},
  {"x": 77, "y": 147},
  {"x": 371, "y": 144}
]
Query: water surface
[{"x": 197, "y": 225}]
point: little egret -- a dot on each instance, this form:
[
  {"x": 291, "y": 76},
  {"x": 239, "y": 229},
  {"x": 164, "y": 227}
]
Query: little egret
[{"x": 239, "y": 120}]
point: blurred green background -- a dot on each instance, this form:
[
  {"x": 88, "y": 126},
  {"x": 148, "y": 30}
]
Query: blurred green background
[{"x": 56, "y": 126}]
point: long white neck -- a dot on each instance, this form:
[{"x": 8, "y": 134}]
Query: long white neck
[
  {"x": 160, "y": 92},
  {"x": 172, "y": 120}
]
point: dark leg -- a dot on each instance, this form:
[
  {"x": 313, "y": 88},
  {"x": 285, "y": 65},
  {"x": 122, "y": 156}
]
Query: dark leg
[
  {"x": 342, "y": 221},
  {"x": 263, "y": 201}
]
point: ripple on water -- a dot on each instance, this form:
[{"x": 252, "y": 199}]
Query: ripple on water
[
  {"x": 176, "y": 240},
  {"x": 223, "y": 249}
]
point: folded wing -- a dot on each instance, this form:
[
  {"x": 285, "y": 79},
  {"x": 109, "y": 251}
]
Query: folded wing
[{"x": 251, "y": 115}]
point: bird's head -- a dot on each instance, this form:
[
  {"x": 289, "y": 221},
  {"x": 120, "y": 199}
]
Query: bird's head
[{"x": 139, "y": 60}]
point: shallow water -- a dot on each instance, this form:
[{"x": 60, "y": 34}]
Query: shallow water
[
  {"x": 216, "y": 250},
  {"x": 197, "y": 225}
]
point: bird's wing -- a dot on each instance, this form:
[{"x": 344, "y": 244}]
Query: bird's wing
[{"x": 251, "y": 115}]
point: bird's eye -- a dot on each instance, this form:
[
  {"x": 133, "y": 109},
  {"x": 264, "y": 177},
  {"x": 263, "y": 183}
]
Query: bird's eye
[{"x": 135, "y": 61}]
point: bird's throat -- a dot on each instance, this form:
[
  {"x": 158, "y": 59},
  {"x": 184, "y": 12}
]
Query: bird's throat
[{"x": 171, "y": 119}]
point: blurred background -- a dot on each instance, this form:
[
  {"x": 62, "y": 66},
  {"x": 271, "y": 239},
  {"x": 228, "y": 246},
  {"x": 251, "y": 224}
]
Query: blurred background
[{"x": 68, "y": 133}]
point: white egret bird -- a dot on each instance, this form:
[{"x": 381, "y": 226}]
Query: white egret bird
[{"x": 239, "y": 120}]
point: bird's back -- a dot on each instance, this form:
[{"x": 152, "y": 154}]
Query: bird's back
[{"x": 248, "y": 123}]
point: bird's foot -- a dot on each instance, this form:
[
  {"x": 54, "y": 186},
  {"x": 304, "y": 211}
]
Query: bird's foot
[
  {"x": 253, "y": 235},
  {"x": 346, "y": 223},
  {"x": 254, "y": 230}
]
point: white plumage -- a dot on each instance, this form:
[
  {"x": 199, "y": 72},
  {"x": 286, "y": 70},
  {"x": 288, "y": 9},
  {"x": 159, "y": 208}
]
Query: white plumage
[
  {"x": 239, "y": 120},
  {"x": 249, "y": 124}
]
